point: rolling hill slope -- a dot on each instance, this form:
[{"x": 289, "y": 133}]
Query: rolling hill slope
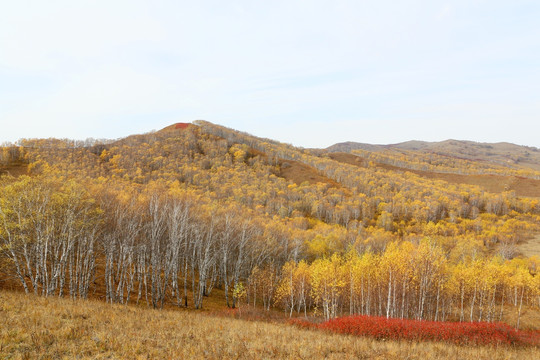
[
  {"x": 167, "y": 217},
  {"x": 500, "y": 154}
]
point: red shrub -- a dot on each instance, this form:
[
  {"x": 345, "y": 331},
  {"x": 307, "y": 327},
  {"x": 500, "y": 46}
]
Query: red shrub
[{"x": 454, "y": 332}]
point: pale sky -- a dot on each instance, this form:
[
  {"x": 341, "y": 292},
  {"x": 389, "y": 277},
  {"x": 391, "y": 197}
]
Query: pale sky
[{"x": 311, "y": 73}]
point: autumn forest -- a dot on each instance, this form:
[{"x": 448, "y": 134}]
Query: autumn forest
[{"x": 199, "y": 213}]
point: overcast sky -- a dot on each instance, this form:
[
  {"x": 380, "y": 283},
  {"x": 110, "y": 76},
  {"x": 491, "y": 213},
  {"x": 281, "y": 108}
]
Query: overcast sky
[{"x": 311, "y": 73}]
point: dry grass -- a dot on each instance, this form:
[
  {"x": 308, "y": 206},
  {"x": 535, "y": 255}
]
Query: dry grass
[
  {"x": 16, "y": 169},
  {"x": 299, "y": 173},
  {"x": 530, "y": 247},
  {"x": 40, "y": 328}
]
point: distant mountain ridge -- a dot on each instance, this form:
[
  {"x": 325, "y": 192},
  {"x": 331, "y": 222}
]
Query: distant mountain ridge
[{"x": 500, "y": 153}]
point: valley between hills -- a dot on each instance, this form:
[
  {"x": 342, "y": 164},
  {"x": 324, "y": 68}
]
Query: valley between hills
[{"x": 432, "y": 248}]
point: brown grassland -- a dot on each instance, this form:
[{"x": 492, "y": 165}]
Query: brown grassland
[
  {"x": 299, "y": 173},
  {"x": 16, "y": 169},
  {"x": 51, "y": 328},
  {"x": 531, "y": 247}
]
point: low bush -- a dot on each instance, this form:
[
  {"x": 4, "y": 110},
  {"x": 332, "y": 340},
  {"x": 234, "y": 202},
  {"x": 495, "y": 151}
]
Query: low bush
[{"x": 469, "y": 333}]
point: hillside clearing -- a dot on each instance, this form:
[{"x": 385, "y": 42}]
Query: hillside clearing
[
  {"x": 530, "y": 247},
  {"x": 299, "y": 173},
  {"x": 14, "y": 169}
]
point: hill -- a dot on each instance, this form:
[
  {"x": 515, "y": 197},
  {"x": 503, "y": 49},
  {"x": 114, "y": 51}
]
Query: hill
[
  {"x": 501, "y": 154},
  {"x": 193, "y": 213},
  {"x": 349, "y": 146},
  {"x": 491, "y": 183}
]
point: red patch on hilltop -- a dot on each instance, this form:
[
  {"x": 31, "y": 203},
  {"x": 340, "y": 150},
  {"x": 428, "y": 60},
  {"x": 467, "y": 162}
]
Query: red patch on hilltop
[
  {"x": 177, "y": 126},
  {"x": 181, "y": 125}
]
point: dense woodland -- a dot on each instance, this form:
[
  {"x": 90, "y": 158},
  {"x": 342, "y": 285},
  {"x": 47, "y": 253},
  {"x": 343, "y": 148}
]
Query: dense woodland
[{"x": 169, "y": 216}]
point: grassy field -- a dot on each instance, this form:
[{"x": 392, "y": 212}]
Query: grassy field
[{"x": 51, "y": 328}]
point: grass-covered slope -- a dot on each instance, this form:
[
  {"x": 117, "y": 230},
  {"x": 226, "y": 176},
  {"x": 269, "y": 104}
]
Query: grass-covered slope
[{"x": 52, "y": 328}]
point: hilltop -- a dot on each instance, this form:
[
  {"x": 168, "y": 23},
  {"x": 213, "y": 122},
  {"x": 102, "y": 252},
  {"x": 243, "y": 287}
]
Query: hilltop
[{"x": 177, "y": 126}]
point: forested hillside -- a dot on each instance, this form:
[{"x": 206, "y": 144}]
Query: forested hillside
[
  {"x": 167, "y": 217},
  {"x": 452, "y": 156}
]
